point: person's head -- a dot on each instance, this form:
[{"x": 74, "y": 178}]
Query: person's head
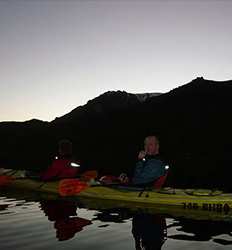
[
  {"x": 65, "y": 147},
  {"x": 151, "y": 145}
]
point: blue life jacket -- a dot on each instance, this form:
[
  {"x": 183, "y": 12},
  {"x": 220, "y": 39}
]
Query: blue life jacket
[{"x": 148, "y": 170}]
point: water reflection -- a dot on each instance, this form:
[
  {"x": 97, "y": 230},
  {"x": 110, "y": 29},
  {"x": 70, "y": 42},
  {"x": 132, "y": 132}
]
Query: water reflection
[
  {"x": 3, "y": 206},
  {"x": 149, "y": 231},
  {"x": 116, "y": 215},
  {"x": 193, "y": 230},
  {"x": 64, "y": 215}
]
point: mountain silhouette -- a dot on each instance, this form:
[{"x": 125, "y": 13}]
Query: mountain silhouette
[{"x": 193, "y": 123}]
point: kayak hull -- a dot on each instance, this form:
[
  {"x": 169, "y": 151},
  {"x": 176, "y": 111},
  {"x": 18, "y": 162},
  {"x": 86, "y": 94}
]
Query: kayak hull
[{"x": 168, "y": 201}]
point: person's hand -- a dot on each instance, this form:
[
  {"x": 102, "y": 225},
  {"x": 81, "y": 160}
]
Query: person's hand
[
  {"x": 141, "y": 155},
  {"x": 123, "y": 178}
]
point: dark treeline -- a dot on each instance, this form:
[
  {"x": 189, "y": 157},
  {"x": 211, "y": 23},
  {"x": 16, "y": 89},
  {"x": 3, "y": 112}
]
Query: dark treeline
[{"x": 193, "y": 122}]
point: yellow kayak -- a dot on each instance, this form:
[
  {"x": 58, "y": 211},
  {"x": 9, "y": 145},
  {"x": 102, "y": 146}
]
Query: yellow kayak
[{"x": 214, "y": 203}]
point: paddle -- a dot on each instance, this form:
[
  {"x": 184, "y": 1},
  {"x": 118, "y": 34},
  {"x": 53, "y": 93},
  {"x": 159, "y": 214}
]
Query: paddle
[{"x": 69, "y": 187}]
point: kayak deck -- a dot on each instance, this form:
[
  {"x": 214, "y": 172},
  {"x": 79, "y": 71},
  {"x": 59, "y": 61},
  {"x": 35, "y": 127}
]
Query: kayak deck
[
  {"x": 195, "y": 204},
  {"x": 177, "y": 197}
]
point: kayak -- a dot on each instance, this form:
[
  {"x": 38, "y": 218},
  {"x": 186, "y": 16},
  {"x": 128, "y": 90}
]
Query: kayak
[{"x": 213, "y": 203}]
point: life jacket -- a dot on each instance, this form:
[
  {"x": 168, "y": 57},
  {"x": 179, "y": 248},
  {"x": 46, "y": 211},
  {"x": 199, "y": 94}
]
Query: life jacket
[
  {"x": 158, "y": 183},
  {"x": 148, "y": 170},
  {"x": 60, "y": 169}
]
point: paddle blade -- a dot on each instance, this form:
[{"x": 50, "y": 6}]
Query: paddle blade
[
  {"x": 5, "y": 180},
  {"x": 88, "y": 175},
  {"x": 70, "y": 187}
]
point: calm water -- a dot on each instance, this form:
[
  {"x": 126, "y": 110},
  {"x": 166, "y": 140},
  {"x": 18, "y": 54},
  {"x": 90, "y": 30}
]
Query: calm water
[{"x": 47, "y": 224}]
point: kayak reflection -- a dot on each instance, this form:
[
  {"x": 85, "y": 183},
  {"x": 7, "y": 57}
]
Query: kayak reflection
[
  {"x": 64, "y": 215},
  {"x": 202, "y": 230},
  {"x": 149, "y": 231}
]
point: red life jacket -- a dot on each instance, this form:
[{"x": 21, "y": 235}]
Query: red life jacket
[
  {"x": 60, "y": 169},
  {"x": 160, "y": 181}
]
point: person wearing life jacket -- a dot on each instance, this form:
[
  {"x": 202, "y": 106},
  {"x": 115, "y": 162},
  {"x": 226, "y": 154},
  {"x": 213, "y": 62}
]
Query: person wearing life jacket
[
  {"x": 63, "y": 166},
  {"x": 150, "y": 169}
]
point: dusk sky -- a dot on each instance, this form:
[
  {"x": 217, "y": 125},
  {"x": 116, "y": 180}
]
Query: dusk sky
[{"x": 57, "y": 55}]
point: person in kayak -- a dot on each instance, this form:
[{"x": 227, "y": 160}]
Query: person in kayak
[
  {"x": 150, "y": 170},
  {"x": 149, "y": 167},
  {"x": 63, "y": 166}
]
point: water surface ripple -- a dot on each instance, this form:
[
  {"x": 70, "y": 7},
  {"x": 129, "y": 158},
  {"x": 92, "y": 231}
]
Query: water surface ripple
[{"x": 60, "y": 224}]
